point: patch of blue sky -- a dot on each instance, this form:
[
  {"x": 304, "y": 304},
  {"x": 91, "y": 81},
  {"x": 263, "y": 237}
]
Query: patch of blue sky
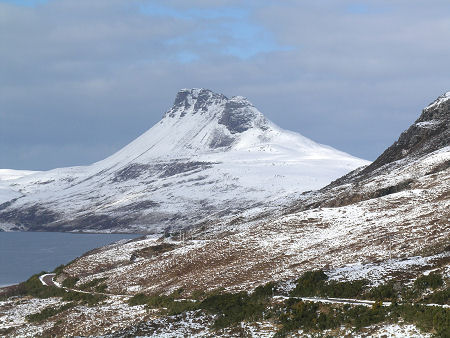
[
  {"x": 365, "y": 9},
  {"x": 246, "y": 50},
  {"x": 154, "y": 9},
  {"x": 358, "y": 8},
  {"x": 197, "y": 38},
  {"x": 27, "y": 3},
  {"x": 248, "y": 40},
  {"x": 186, "y": 57},
  {"x": 230, "y": 30},
  {"x": 236, "y": 39}
]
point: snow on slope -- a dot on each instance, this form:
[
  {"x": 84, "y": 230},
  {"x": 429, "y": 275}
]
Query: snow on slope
[
  {"x": 208, "y": 155},
  {"x": 11, "y": 174},
  {"x": 6, "y": 192}
]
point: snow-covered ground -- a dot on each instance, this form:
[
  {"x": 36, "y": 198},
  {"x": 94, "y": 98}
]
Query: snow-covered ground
[
  {"x": 114, "y": 318},
  {"x": 377, "y": 273}
]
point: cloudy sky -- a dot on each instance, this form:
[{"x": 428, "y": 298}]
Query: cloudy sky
[{"x": 79, "y": 79}]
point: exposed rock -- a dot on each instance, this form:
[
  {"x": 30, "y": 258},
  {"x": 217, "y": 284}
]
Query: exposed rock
[{"x": 430, "y": 132}]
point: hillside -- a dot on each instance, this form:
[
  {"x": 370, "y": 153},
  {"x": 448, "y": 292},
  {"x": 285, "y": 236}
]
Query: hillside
[{"x": 366, "y": 255}]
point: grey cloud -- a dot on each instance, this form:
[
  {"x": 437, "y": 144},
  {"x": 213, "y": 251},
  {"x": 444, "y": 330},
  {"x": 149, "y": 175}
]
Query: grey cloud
[{"x": 80, "y": 79}]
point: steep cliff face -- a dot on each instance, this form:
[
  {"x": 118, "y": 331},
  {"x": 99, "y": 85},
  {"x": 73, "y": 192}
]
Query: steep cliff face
[
  {"x": 209, "y": 157},
  {"x": 430, "y": 132},
  {"x": 421, "y": 150}
]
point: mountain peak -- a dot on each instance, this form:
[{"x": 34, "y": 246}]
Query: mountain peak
[
  {"x": 237, "y": 113},
  {"x": 439, "y": 101},
  {"x": 429, "y": 133},
  {"x": 195, "y": 100}
]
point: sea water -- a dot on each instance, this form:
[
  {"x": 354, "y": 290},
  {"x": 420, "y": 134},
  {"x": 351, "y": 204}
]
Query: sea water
[{"x": 23, "y": 254}]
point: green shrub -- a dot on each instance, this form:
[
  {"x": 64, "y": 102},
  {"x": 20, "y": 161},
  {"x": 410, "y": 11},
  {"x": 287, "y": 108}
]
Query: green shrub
[
  {"x": 351, "y": 289},
  {"x": 48, "y": 312},
  {"x": 314, "y": 283},
  {"x": 264, "y": 291},
  {"x": 101, "y": 288},
  {"x": 309, "y": 283},
  {"x": 176, "y": 307},
  {"x": 427, "y": 318},
  {"x": 439, "y": 297},
  {"x": 70, "y": 282},
  {"x": 138, "y": 299},
  {"x": 178, "y": 293},
  {"x": 34, "y": 287},
  {"x": 314, "y": 316},
  {"x": 433, "y": 280},
  {"x": 83, "y": 298},
  {"x": 300, "y": 314},
  {"x": 172, "y": 305},
  {"x": 382, "y": 292},
  {"x": 198, "y": 294},
  {"x": 234, "y": 308},
  {"x": 91, "y": 284}
]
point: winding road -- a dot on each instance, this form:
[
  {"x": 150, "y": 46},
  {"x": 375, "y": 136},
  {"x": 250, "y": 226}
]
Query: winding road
[{"x": 47, "y": 280}]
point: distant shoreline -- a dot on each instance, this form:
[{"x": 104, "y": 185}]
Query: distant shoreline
[{"x": 28, "y": 253}]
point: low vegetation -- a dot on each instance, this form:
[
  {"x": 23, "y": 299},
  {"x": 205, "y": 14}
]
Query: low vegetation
[
  {"x": 432, "y": 281},
  {"x": 70, "y": 282},
  {"x": 316, "y": 284},
  {"x": 90, "y": 299},
  {"x": 172, "y": 304},
  {"x": 310, "y": 316},
  {"x": 94, "y": 285},
  {"x": 294, "y": 313},
  {"x": 290, "y": 313},
  {"x": 34, "y": 287},
  {"x": 48, "y": 312},
  {"x": 234, "y": 308},
  {"x": 427, "y": 318},
  {"x": 439, "y": 297}
]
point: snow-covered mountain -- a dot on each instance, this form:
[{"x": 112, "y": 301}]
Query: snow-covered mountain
[{"x": 210, "y": 156}]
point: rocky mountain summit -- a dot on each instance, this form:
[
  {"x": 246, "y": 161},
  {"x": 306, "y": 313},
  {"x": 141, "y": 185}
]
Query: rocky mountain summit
[
  {"x": 430, "y": 132},
  {"x": 208, "y": 158}
]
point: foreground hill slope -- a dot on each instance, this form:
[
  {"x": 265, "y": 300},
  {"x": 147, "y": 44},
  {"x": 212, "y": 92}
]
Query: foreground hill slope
[
  {"x": 209, "y": 157},
  {"x": 380, "y": 236}
]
